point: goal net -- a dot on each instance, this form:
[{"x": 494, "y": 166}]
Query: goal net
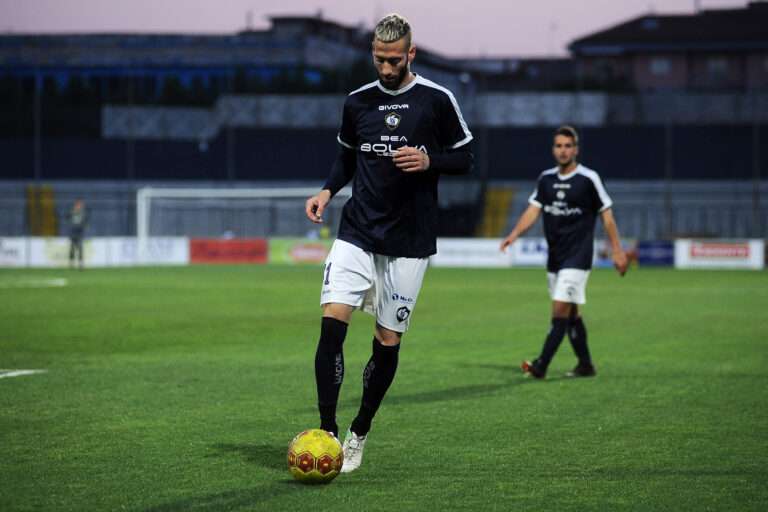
[{"x": 228, "y": 213}]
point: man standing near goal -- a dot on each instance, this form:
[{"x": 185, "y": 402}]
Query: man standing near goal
[
  {"x": 77, "y": 218},
  {"x": 571, "y": 196},
  {"x": 397, "y": 135}
]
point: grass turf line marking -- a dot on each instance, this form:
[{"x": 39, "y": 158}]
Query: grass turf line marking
[
  {"x": 17, "y": 373},
  {"x": 33, "y": 282}
]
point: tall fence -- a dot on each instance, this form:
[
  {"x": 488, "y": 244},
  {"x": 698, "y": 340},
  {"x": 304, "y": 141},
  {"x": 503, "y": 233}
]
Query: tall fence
[
  {"x": 664, "y": 210},
  {"x": 643, "y": 209}
]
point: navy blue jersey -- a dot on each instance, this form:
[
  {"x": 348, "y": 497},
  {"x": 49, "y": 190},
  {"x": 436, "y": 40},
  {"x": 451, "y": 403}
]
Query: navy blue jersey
[
  {"x": 391, "y": 212},
  {"x": 570, "y": 205}
]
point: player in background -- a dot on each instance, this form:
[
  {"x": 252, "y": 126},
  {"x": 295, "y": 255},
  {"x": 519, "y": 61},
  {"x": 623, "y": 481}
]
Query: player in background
[
  {"x": 398, "y": 134},
  {"x": 571, "y": 196},
  {"x": 77, "y": 218}
]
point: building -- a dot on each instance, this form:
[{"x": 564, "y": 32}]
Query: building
[
  {"x": 712, "y": 49},
  {"x": 108, "y": 64},
  {"x": 297, "y": 54}
]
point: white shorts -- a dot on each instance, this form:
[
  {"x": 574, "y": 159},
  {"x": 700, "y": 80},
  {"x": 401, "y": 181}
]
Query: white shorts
[
  {"x": 568, "y": 285},
  {"x": 383, "y": 286}
]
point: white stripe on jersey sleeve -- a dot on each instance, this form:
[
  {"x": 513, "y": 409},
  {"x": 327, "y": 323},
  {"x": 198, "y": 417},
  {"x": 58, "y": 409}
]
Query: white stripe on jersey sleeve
[
  {"x": 430, "y": 83},
  {"x": 338, "y": 138},
  {"x": 532, "y": 200},
  {"x": 366, "y": 86},
  {"x": 595, "y": 178}
]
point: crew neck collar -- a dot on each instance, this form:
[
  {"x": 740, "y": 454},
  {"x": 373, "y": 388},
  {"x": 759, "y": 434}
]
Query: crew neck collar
[{"x": 395, "y": 92}]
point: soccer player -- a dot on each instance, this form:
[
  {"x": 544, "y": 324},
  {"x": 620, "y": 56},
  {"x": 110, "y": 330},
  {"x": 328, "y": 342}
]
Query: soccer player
[
  {"x": 77, "y": 221},
  {"x": 571, "y": 196},
  {"x": 398, "y": 134}
]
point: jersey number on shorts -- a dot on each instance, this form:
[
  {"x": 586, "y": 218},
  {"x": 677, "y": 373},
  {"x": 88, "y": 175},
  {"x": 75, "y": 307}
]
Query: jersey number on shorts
[{"x": 327, "y": 273}]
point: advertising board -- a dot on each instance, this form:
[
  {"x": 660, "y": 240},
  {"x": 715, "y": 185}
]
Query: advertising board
[
  {"x": 237, "y": 250},
  {"x": 717, "y": 254},
  {"x": 470, "y": 252}
]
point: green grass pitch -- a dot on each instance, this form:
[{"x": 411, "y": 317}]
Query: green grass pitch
[{"x": 179, "y": 389}]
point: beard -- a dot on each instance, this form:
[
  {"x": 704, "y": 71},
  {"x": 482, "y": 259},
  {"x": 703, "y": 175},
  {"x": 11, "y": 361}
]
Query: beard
[{"x": 394, "y": 82}]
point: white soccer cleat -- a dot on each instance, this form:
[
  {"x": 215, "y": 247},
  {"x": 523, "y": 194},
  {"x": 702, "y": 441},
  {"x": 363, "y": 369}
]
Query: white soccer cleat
[{"x": 353, "y": 451}]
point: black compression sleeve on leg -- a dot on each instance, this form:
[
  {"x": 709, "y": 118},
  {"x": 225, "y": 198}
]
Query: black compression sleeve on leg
[
  {"x": 377, "y": 377},
  {"x": 554, "y": 337},
  {"x": 329, "y": 370},
  {"x": 577, "y": 333}
]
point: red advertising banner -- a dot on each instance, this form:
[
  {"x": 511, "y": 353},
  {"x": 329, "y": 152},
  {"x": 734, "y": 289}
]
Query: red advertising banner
[
  {"x": 720, "y": 250},
  {"x": 213, "y": 250}
]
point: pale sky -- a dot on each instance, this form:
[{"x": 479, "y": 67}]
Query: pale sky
[{"x": 512, "y": 28}]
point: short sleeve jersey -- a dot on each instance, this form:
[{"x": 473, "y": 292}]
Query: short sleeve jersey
[
  {"x": 570, "y": 205},
  {"x": 392, "y": 212}
]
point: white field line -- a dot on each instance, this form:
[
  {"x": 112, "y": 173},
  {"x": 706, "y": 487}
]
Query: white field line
[
  {"x": 33, "y": 282},
  {"x": 17, "y": 373}
]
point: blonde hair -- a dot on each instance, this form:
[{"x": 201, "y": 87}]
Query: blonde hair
[
  {"x": 568, "y": 131},
  {"x": 393, "y": 27}
]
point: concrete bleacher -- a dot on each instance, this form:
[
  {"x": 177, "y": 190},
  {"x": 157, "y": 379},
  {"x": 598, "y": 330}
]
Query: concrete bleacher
[{"x": 512, "y": 109}]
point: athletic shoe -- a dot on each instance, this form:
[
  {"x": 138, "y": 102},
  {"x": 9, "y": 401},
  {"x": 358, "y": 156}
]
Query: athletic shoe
[
  {"x": 353, "y": 451},
  {"x": 582, "y": 370},
  {"x": 535, "y": 369}
]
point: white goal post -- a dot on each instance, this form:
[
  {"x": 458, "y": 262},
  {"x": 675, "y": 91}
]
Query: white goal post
[{"x": 144, "y": 196}]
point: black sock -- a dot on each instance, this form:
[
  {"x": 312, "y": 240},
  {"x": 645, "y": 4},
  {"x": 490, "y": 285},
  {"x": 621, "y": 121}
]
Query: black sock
[
  {"x": 377, "y": 377},
  {"x": 329, "y": 370},
  {"x": 577, "y": 333},
  {"x": 555, "y": 335}
]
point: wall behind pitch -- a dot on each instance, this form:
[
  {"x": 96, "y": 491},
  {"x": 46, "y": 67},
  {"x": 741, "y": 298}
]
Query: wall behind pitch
[
  {"x": 501, "y": 153},
  {"x": 285, "y": 154}
]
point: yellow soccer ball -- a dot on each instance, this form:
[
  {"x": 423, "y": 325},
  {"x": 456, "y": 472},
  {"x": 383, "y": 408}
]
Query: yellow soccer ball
[{"x": 315, "y": 457}]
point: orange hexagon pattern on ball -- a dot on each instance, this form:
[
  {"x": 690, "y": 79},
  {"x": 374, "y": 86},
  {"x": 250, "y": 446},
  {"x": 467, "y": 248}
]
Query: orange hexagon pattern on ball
[{"x": 315, "y": 457}]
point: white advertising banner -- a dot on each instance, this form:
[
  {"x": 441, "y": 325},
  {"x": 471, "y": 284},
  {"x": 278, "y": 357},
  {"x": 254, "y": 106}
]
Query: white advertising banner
[
  {"x": 470, "y": 252},
  {"x": 530, "y": 252},
  {"x": 13, "y": 252},
  {"x": 720, "y": 254},
  {"x": 54, "y": 252},
  {"x": 97, "y": 252},
  {"x": 160, "y": 251}
]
